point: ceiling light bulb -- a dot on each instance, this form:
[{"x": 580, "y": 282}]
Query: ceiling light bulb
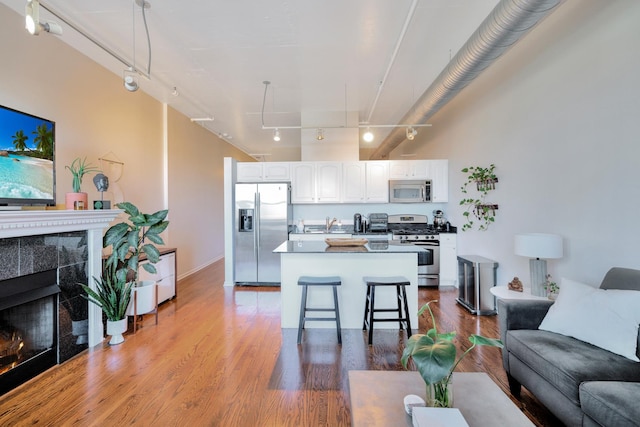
[
  {"x": 276, "y": 135},
  {"x": 368, "y": 136},
  {"x": 32, "y": 17},
  {"x": 319, "y": 134},
  {"x": 130, "y": 80},
  {"x": 411, "y": 133}
]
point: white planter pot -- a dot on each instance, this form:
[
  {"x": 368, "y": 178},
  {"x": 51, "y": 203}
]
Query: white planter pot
[{"x": 116, "y": 329}]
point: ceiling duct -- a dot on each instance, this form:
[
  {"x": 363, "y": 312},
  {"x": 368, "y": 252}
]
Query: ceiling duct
[{"x": 505, "y": 25}]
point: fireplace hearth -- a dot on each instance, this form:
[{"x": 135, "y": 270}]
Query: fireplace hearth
[{"x": 28, "y": 327}]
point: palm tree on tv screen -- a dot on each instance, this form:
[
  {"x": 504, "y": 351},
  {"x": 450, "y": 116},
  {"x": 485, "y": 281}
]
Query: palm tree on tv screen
[
  {"x": 19, "y": 141},
  {"x": 44, "y": 140}
]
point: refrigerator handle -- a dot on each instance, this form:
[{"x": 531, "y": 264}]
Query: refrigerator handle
[{"x": 256, "y": 227}]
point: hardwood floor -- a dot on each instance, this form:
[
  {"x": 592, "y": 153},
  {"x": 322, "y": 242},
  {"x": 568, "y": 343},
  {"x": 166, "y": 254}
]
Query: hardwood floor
[{"x": 219, "y": 358}]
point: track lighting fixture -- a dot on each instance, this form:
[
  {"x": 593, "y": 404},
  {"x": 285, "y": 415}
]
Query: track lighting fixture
[
  {"x": 276, "y": 135},
  {"x": 367, "y": 136},
  {"x": 130, "y": 80},
  {"x": 319, "y": 134},
  {"x": 32, "y": 20},
  {"x": 411, "y": 133}
]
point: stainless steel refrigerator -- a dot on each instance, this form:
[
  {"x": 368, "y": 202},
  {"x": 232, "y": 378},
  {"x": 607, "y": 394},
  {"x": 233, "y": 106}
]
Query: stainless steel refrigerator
[{"x": 262, "y": 218}]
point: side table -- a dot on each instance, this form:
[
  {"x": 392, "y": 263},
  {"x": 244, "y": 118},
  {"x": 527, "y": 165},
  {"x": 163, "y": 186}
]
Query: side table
[{"x": 502, "y": 292}]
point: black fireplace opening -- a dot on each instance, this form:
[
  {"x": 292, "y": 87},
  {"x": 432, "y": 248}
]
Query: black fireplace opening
[{"x": 28, "y": 327}]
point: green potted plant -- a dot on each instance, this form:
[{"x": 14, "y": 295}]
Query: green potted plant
[
  {"x": 112, "y": 295},
  {"x": 434, "y": 356},
  {"x": 485, "y": 180},
  {"x": 551, "y": 287},
  {"x": 77, "y": 199},
  {"x": 131, "y": 239}
]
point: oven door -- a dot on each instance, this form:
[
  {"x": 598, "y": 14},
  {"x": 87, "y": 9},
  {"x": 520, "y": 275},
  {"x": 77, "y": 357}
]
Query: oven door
[{"x": 429, "y": 263}]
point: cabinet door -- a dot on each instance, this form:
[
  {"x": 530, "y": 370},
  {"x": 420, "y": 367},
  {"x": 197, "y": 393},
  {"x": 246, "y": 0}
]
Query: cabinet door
[
  {"x": 303, "y": 183},
  {"x": 354, "y": 182},
  {"x": 276, "y": 171},
  {"x": 249, "y": 172},
  {"x": 439, "y": 175},
  {"x": 165, "y": 276},
  {"x": 328, "y": 182},
  {"x": 408, "y": 169},
  {"x": 448, "y": 259},
  {"x": 377, "y": 182}
]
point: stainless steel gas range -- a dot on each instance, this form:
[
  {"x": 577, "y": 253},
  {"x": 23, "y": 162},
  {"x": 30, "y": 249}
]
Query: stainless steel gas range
[{"x": 416, "y": 230}]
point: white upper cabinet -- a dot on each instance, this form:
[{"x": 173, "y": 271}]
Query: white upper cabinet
[
  {"x": 377, "y": 181},
  {"x": 328, "y": 182},
  {"x": 365, "y": 182},
  {"x": 316, "y": 182},
  {"x": 408, "y": 169},
  {"x": 348, "y": 182},
  {"x": 303, "y": 182},
  {"x": 258, "y": 171},
  {"x": 354, "y": 182},
  {"x": 439, "y": 176}
]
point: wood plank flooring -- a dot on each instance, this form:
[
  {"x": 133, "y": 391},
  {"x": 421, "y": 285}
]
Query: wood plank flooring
[{"x": 219, "y": 358}]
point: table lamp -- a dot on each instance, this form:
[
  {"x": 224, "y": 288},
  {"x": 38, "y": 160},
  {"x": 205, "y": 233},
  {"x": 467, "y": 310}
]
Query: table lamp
[{"x": 539, "y": 247}]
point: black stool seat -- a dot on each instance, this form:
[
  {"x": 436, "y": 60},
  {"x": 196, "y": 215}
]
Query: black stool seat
[
  {"x": 305, "y": 282},
  {"x": 402, "y": 307}
]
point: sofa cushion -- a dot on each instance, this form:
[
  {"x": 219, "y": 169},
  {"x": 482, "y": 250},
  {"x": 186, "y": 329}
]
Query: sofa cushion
[
  {"x": 566, "y": 362},
  {"x": 606, "y": 318},
  {"x": 611, "y": 403}
]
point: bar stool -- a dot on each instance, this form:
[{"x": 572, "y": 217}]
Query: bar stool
[
  {"x": 305, "y": 282},
  {"x": 402, "y": 309}
]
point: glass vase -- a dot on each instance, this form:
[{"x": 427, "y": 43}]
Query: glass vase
[{"x": 440, "y": 394}]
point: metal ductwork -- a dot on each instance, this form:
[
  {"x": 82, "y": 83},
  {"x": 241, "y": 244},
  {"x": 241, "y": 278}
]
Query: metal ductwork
[{"x": 509, "y": 21}]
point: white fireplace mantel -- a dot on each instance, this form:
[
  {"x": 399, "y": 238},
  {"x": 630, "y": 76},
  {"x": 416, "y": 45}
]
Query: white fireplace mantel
[{"x": 34, "y": 223}]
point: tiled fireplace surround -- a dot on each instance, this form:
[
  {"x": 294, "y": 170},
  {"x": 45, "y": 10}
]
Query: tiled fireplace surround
[{"x": 70, "y": 241}]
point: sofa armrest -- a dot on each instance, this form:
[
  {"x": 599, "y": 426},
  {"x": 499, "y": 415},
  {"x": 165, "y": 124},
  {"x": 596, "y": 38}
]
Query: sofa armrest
[{"x": 519, "y": 314}]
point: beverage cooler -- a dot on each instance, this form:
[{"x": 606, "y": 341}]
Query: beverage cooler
[{"x": 476, "y": 276}]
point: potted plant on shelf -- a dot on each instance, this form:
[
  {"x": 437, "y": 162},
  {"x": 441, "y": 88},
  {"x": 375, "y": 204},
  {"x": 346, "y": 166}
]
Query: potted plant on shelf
[
  {"x": 129, "y": 241},
  {"x": 79, "y": 168},
  {"x": 434, "y": 356},
  {"x": 112, "y": 295}
]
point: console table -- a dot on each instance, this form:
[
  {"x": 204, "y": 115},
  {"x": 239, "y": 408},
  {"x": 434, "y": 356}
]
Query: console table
[{"x": 377, "y": 399}]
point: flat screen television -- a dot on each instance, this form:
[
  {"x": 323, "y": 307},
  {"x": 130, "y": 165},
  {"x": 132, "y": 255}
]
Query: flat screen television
[{"x": 27, "y": 163}]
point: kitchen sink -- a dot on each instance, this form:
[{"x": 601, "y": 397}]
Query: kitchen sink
[{"x": 310, "y": 229}]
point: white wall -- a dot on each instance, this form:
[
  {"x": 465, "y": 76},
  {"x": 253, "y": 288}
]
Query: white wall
[
  {"x": 169, "y": 162},
  {"x": 558, "y": 116}
]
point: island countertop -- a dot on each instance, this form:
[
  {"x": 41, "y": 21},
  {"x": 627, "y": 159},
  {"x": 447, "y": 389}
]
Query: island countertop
[
  {"x": 373, "y": 246},
  {"x": 351, "y": 264}
]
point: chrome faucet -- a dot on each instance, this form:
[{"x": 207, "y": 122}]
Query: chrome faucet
[{"x": 330, "y": 223}]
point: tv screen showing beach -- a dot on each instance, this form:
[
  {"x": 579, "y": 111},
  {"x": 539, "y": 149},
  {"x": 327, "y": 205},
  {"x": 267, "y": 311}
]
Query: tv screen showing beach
[{"x": 27, "y": 175}]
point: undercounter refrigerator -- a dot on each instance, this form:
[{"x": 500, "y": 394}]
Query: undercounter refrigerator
[{"x": 262, "y": 216}]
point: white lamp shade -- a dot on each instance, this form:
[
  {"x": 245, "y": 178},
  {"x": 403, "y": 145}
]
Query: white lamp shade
[{"x": 539, "y": 245}]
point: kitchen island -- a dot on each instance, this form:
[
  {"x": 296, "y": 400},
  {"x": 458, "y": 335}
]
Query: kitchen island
[{"x": 351, "y": 263}]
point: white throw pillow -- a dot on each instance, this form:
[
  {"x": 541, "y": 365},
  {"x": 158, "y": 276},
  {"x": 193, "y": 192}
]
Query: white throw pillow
[{"x": 608, "y": 319}]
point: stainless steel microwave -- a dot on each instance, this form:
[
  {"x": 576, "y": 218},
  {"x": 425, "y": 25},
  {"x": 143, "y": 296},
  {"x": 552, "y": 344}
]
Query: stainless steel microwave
[{"x": 409, "y": 191}]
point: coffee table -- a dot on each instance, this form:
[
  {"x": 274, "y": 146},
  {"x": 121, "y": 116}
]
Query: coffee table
[{"x": 377, "y": 399}]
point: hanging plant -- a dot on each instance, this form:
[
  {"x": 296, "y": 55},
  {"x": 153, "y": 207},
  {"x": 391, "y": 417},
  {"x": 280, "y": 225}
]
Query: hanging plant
[{"x": 477, "y": 209}]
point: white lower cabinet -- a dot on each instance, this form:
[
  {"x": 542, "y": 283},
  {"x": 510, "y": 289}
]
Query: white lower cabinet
[
  {"x": 165, "y": 276},
  {"x": 448, "y": 259}
]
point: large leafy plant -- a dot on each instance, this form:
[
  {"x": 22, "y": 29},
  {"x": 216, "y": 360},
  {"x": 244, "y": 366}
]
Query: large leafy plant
[
  {"x": 112, "y": 293},
  {"x": 129, "y": 240},
  {"x": 434, "y": 356}
]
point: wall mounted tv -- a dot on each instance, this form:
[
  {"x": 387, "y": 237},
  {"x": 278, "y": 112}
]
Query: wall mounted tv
[{"x": 27, "y": 165}]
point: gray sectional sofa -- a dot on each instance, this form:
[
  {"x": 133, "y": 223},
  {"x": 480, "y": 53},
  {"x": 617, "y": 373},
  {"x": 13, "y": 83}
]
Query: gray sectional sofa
[{"x": 581, "y": 384}]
